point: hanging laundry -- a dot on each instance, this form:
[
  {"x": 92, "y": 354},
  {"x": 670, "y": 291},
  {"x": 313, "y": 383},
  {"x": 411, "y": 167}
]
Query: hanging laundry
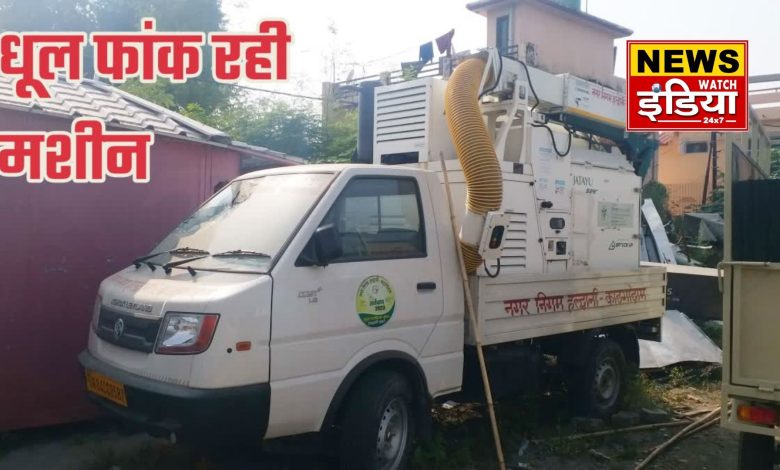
[
  {"x": 444, "y": 43},
  {"x": 426, "y": 52}
]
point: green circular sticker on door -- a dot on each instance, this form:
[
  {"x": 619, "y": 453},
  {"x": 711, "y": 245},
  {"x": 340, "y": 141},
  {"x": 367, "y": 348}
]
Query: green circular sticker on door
[{"x": 375, "y": 301}]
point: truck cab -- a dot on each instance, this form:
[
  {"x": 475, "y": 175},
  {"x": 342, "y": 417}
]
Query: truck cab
[{"x": 260, "y": 311}]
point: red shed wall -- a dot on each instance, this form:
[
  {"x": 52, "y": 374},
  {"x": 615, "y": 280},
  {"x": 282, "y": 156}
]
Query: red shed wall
[{"x": 57, "y": 242}]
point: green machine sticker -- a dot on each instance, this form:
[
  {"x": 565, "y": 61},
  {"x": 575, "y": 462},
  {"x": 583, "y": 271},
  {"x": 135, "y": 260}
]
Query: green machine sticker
[{"x": 375, "y": 301}]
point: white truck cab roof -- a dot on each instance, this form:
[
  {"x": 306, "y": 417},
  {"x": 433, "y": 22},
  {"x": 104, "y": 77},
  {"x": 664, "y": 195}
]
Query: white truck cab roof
[{"x": 331, "y": 167}]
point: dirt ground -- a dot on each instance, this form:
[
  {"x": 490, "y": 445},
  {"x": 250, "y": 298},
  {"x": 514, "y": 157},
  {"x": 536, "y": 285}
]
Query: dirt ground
[
  {"x": 104, "y": 448},
  {"x": 714, "y": 448},
  {"x": 535, "y": 434}
]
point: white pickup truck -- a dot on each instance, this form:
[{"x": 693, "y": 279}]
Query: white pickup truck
[{"x": 328, "y": 298}]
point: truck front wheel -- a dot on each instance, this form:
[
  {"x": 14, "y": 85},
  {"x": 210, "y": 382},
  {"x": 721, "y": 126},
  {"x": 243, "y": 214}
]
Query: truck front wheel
[
  {"x": 756, "y": 451},
  {"x": 379, "y": 423}
]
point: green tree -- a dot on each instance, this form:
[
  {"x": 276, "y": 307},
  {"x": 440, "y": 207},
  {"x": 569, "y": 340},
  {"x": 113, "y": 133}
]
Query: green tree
[
  {"x": 292, "y": 127},
  {"x": 715, "y": 200},
  {"x": 339, "y": 140},
  {"x": 288, "y": 127},
  {"x": 50, "y": 15},
  {"x": 714, "y": 203},
  {"x": 656, "y": 191},
  {"x": 157, "y": 92},
  {"x": 125, "y": 15},
  {"x": 176, "y": 15}
]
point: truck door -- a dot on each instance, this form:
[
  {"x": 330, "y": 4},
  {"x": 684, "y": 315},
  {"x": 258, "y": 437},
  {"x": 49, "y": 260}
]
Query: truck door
[
  {"x": 383, "y": 293},
  {"x": 753, "y": 297}
]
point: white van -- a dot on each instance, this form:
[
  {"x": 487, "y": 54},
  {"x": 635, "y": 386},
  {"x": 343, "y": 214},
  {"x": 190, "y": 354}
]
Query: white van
[{"x": 292, "y": 301}]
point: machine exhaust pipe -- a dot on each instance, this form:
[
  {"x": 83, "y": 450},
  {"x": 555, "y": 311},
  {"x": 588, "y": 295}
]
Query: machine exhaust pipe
[{"x": 477, "y": 156}]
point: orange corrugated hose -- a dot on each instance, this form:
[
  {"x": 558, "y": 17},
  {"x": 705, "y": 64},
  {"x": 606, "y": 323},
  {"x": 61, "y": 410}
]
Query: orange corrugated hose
[{"x": 473, "y": 146}]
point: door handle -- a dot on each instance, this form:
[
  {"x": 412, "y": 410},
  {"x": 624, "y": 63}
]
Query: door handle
[{"x": 426, "y": 285}]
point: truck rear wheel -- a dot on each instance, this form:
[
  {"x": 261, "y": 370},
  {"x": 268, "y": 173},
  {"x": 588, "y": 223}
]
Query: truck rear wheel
[
  {"x": 599, "y": 386},
  {"x": 379, "y": 423},
  {"x": 756, "y": 451}
]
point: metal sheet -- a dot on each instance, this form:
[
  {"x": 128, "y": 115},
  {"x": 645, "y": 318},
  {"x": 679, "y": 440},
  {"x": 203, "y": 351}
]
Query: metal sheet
[
  {"x": 57, "y": 242},
  {"x": 681, "y": 341},
  {"x": 664, "y": 251},
  {"x": 707, "y": 227}
]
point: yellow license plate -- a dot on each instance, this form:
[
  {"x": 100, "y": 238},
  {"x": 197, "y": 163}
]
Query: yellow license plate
[{"x": 106, "y": 387}]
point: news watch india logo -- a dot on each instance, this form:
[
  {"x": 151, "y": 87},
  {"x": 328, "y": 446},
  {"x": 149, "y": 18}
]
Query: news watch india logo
[{"x": 686, "y": 86}]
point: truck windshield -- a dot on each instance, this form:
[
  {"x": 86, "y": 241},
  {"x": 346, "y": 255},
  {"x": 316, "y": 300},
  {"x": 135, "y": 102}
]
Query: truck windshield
[{"x": 252, "y": 216}]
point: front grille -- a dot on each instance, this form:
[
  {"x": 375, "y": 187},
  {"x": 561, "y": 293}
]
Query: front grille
[{"x": 137, "y": 333}]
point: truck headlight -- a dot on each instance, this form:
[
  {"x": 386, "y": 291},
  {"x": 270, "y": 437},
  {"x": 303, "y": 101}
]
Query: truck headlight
[
  {"x": 186, "y": 333},
  {"x": 96, "y": 312}
]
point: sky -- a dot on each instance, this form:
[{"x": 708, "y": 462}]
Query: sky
[{"x": 367, "y": 37}]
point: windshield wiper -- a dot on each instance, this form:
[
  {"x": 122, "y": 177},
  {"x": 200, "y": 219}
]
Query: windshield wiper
[
  {"x": 176, "y": 251},
  {"x": 185, "y": 250},
  {"x": 238, "y": 253},
  {"x": 168, "y": 267}
]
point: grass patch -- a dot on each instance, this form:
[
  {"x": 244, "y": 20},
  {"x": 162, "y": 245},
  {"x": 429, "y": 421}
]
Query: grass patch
[
  {"x": 642, "y": 392},
  {"x": 440, "y": 453},
  {"x": 674, "y": 388},
  {"x": 463, "y": 438}
]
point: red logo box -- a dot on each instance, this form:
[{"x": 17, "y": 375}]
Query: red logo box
[{"x": 686, "y": 86}]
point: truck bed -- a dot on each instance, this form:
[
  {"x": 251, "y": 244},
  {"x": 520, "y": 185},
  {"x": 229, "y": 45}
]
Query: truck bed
[{"x": 514, "y": 307}]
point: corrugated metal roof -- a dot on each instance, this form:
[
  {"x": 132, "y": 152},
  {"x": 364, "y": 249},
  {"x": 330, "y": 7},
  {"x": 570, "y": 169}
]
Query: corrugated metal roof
[
  {"x": 95, "y": 99},
  {"x": 256, "y": 150}
]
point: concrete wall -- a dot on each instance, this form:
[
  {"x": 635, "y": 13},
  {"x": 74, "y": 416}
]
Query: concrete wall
[
  {"x": 57, "y": 242},
  {"x": 683, "y": 173}
]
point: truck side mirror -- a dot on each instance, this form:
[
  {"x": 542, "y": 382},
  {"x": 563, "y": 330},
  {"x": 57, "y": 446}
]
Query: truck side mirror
[
  {"x": 327, "y": 244},
  {"x": 323, "y": 247}
]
